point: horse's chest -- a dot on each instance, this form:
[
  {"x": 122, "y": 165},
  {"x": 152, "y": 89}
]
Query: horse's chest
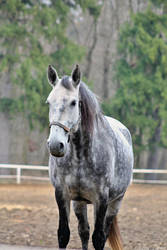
[{"x": 79, "y": 186}]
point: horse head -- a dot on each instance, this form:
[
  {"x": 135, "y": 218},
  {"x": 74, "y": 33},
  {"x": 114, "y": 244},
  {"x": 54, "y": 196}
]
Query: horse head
[{"x": 64, "y": 110}]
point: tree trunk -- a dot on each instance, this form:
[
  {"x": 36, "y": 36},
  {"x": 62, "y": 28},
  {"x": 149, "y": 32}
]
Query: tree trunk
[{"x": 152, "y": 162}]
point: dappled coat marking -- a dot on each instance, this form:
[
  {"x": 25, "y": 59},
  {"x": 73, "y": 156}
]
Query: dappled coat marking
[{"x": 91, "y": 160}]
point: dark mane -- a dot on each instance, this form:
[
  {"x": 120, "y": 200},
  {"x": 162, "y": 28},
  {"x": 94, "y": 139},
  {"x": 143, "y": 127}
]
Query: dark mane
[{"x": 90, "y": 108}]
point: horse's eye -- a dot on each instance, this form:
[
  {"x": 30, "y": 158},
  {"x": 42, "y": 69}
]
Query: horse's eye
[{"x": 73, "y": 103}]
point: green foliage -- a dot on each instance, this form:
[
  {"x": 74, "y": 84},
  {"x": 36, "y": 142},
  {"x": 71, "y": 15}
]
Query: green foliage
[
  {"x": 158, "y": 2},
  {"x": 9, "y": 105},
  {"x": 141, "y": 75},
  {"x": 93, "y": 7},
  {"x": 33, "y": 35}
]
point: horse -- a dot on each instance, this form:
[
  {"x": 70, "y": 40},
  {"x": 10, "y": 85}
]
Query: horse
[{"x": 90, "y": 160}]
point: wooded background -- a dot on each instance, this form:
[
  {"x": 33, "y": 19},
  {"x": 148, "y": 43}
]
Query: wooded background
[{"x": 121, "y": 47}]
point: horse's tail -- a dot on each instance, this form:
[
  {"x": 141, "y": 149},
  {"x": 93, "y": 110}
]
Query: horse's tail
[{"x": 114, "y": 237}]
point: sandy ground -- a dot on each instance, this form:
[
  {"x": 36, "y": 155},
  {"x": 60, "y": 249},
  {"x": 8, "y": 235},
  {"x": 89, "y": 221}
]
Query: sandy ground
[{"x": 29, "y": 216}]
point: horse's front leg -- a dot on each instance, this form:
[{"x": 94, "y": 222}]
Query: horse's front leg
[
  {"x": 64, "y": 210},
  {"x": 99, "y": 236},
  {"x": 80, "y": 209}
]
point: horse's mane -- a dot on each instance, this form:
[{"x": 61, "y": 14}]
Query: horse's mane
[{"x": 90, "y": 108}]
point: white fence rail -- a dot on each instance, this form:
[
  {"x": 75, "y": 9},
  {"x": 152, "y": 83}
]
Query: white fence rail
[
  {"x": 150, "y": 171},
  {"x": 19, "y": 169},
  {"x": 19, "y": 175}
]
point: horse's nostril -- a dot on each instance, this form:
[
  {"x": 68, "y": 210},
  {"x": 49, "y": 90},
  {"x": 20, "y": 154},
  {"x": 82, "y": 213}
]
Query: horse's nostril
[
  {"x": 61, "y": 146},
  {"x": 57, "y": 149}
]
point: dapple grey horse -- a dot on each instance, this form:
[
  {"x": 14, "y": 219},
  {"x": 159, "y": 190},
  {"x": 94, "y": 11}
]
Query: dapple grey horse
[{"x": 91, "y": 160}]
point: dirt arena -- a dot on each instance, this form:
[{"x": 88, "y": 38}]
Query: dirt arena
[{"x": 29, "y": 216}]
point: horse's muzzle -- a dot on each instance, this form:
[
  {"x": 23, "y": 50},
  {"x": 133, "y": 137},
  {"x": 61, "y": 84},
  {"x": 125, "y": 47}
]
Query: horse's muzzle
[{"x": 57, "y": 149}]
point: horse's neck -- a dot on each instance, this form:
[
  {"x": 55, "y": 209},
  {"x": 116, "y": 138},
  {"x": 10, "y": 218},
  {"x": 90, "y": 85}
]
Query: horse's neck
[
  {"x": 81, "y": 142},
  {"x": 81, "y": 137}
]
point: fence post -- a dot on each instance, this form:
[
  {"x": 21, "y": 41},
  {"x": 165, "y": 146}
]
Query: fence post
[{"x": 18, "y": 175}]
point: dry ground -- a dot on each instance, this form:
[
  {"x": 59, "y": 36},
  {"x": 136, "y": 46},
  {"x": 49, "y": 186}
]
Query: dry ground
[{"x": 29, "y": 216}]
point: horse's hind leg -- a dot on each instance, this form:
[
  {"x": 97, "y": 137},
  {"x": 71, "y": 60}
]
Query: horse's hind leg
[
  {"x": 64, "y": 209},
  {"x": 111, "y": 226},
  {"x": 80, "y": 209},
  {"x": 99, "y": 237}
]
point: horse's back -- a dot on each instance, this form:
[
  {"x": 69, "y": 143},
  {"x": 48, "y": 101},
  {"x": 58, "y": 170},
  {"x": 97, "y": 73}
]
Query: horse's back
[
  {"x": 123, "y": 153},
  {"x": 119, "y": 127}
]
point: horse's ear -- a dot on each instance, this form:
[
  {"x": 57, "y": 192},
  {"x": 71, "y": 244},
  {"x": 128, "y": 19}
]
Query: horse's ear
[
  {"x": 76, "y": 76},
  {"x": 52, "y": 75}
]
